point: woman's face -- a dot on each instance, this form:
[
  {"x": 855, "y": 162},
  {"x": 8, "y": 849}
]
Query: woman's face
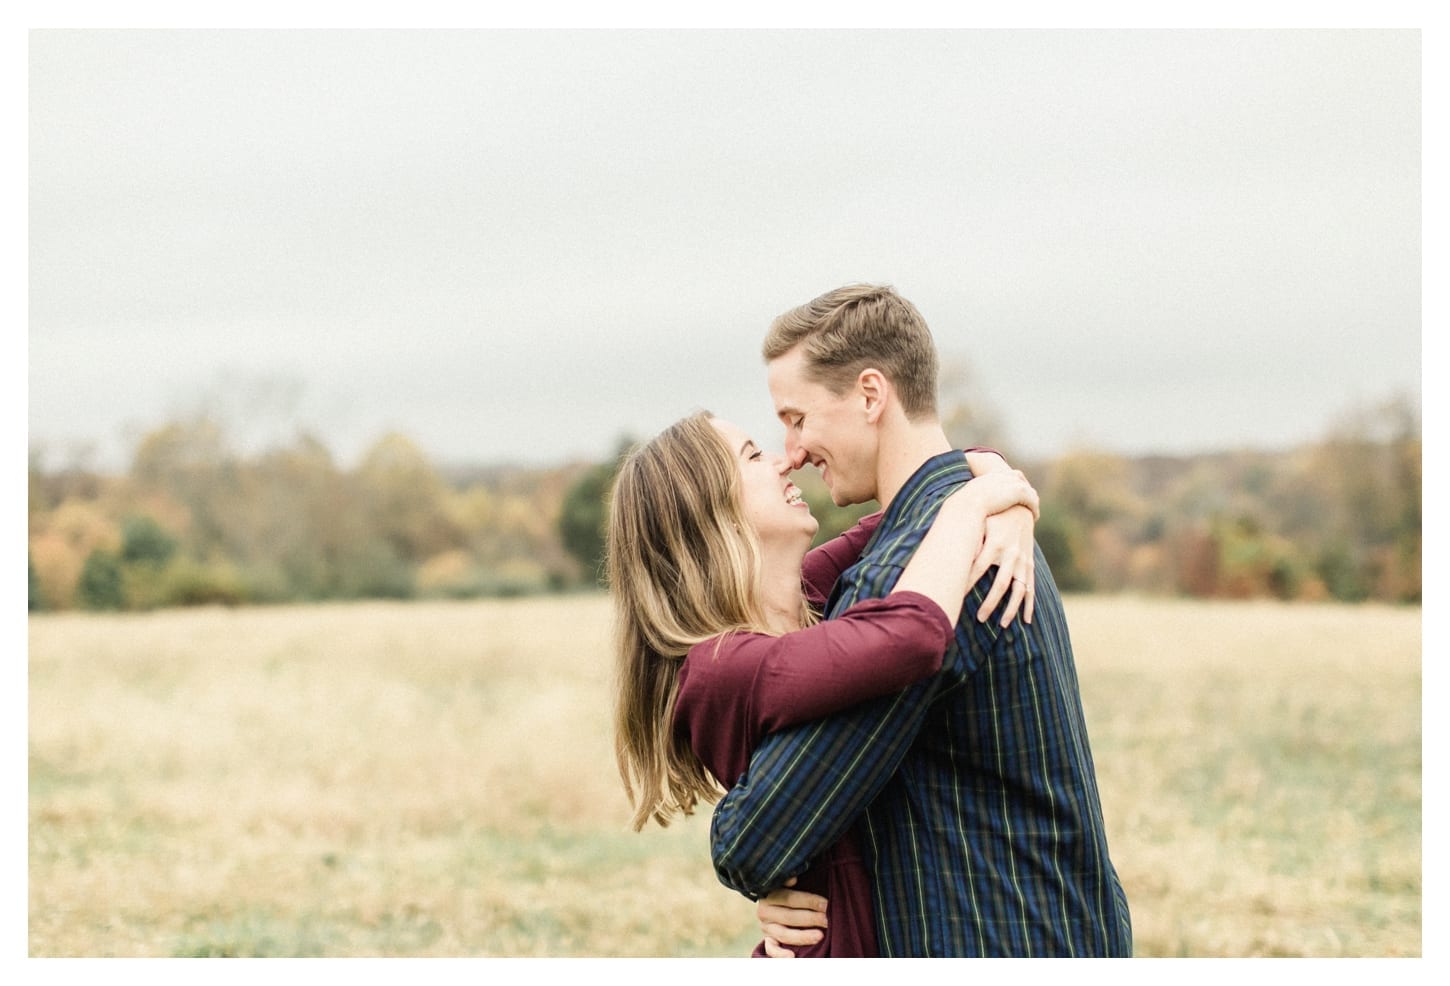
[{"x": 773, "y": 504}]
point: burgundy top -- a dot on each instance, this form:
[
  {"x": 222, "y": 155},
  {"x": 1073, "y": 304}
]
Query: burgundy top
[{"x": 736, "y": 688}]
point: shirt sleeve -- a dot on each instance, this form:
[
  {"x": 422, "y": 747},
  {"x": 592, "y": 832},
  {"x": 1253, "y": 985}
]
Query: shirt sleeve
[
  {"x": 806, "y": 785},
  {"x": 823, "y": 565},
  {"x": 875, "y": 648}
]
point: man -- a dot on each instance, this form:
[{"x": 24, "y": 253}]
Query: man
[{"x": 974, "y": 791}]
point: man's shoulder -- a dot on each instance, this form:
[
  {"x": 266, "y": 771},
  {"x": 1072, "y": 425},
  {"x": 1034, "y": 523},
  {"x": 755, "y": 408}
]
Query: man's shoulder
[
  {"x": 904, "y": 527},
  {"x": 881, "y": 562},
  {"x": 922, "y": 493}
]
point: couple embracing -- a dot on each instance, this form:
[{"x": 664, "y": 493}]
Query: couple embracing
[{"x": 894, "y": 716}]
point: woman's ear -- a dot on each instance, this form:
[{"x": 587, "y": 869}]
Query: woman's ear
[{"x": 873, "y": 388}]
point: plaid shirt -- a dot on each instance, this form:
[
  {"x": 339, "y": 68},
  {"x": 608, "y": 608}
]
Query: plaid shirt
[{"x": 982, "y": 824}]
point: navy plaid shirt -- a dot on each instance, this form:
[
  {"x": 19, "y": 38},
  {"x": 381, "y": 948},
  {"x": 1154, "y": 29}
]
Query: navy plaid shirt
[{"x": 982, "y": 824}]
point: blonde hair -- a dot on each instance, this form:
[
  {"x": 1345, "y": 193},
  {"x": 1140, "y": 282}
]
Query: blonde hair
[
  {"x": 859, "y": 326},
  {"x": 683, "y": 567}
]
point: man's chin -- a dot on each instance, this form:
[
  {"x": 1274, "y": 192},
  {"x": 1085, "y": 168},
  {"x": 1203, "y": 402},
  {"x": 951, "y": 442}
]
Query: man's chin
[{"x": 840, "y": 495}]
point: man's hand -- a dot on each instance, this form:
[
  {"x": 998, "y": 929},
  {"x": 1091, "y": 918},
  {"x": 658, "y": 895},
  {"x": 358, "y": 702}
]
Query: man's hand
[{"x": 790, "y": 917}]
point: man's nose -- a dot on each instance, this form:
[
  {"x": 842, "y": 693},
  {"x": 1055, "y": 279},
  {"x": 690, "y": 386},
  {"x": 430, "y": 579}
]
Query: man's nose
[{"x": 795, "y": 453}]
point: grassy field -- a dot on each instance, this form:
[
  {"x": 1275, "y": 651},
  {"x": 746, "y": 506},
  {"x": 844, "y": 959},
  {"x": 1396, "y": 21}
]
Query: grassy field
[{"x": 436, "y": 779}]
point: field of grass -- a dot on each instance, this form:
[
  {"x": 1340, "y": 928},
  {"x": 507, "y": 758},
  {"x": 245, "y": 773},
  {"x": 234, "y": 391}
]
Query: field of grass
[{"x": 436, "y": 779}]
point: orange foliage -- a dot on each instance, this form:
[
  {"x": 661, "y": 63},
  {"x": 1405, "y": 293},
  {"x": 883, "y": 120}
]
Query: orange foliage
[
  {"x": 57, "y": 568},
  {"x": 62, "y": 540},
  {"x": 444, "y": 571}
]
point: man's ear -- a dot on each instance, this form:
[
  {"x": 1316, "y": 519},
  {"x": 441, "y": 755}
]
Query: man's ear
[{"x": 874, "y": 390}]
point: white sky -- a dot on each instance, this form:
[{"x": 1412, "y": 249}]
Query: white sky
[{"x": 523, "y": 245}]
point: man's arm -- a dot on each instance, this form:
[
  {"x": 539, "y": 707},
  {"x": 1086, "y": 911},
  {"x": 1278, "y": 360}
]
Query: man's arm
[{"x": 805, "y": 786}]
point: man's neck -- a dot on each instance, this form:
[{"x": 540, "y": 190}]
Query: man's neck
[{"x": 903, "y": 451}]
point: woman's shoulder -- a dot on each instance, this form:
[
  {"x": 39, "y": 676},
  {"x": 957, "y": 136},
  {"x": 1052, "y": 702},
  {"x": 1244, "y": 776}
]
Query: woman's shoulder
[
  {"x": 726, "y": 663},
  {"x": 725, "y": 653},
  {"x": 715, "y": 697}
]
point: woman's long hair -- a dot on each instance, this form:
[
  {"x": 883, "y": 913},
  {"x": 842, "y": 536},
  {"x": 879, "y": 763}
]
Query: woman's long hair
[{"x": 683, "y": 567}]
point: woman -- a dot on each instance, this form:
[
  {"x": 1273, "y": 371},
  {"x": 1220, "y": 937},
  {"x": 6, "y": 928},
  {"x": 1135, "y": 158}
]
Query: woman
[{"x": 718, "y": 640}]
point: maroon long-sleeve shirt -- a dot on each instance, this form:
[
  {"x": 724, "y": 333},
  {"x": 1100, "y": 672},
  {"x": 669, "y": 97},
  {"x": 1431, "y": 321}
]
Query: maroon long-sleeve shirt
[{"x": 736, "y": 688}]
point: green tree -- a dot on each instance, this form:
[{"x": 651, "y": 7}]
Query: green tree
[
  {"x": 1342, "y": 573},
  {"x": 585, "y": 514},
  {"x": 101, "y": 585},
  {"x": 1057, "y": 536},
  {"x": 37, "y": 595},
  {"x": 145, "y": 542}
]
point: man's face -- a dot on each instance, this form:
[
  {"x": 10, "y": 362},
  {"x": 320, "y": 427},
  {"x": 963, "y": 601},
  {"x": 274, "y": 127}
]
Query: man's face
[{"x": 827, "y": 430}]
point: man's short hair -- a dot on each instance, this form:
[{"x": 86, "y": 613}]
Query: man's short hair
[{"x": 858, "y": 326}]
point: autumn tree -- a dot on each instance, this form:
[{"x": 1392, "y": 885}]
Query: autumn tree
[
  {"x": 192, "y": 461},
  {"x": 304, "y": 532},
  {"x": 404, "y": 499}
]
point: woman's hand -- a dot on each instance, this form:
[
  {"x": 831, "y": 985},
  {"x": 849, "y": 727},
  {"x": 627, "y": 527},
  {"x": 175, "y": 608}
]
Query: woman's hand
[
  {"x": 993, "y": 515},
  {"x": 1008, "y": 544},
  {"x": 790, "y": 917},
  {"x": 1012, "y": 509}
]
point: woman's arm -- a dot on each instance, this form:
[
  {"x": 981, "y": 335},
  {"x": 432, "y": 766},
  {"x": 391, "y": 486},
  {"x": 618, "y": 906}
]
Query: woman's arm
[
  {"x": 938, "y": 570},
  {"x": 765, "y": 683},
  {"x": 1008, "y": 544},
  {"x": 878, "y": 646},
  {"x": 736, "y": 689}
]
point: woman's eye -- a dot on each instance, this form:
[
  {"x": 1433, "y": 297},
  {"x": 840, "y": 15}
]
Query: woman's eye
[{"x": 755, "y": 455}]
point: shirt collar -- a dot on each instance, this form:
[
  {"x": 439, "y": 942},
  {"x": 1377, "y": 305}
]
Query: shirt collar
[{"x": 932, "y": 476}]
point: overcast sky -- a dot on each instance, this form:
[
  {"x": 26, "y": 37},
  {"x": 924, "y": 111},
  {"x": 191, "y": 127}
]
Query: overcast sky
[{"x": 524, "y": 245}]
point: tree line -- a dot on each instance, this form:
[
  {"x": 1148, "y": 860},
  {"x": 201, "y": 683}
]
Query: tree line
[{"x": 196, "y": 521}]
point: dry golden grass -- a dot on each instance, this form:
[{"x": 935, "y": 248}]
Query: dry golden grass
[{"x": 437, "y": 779}]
